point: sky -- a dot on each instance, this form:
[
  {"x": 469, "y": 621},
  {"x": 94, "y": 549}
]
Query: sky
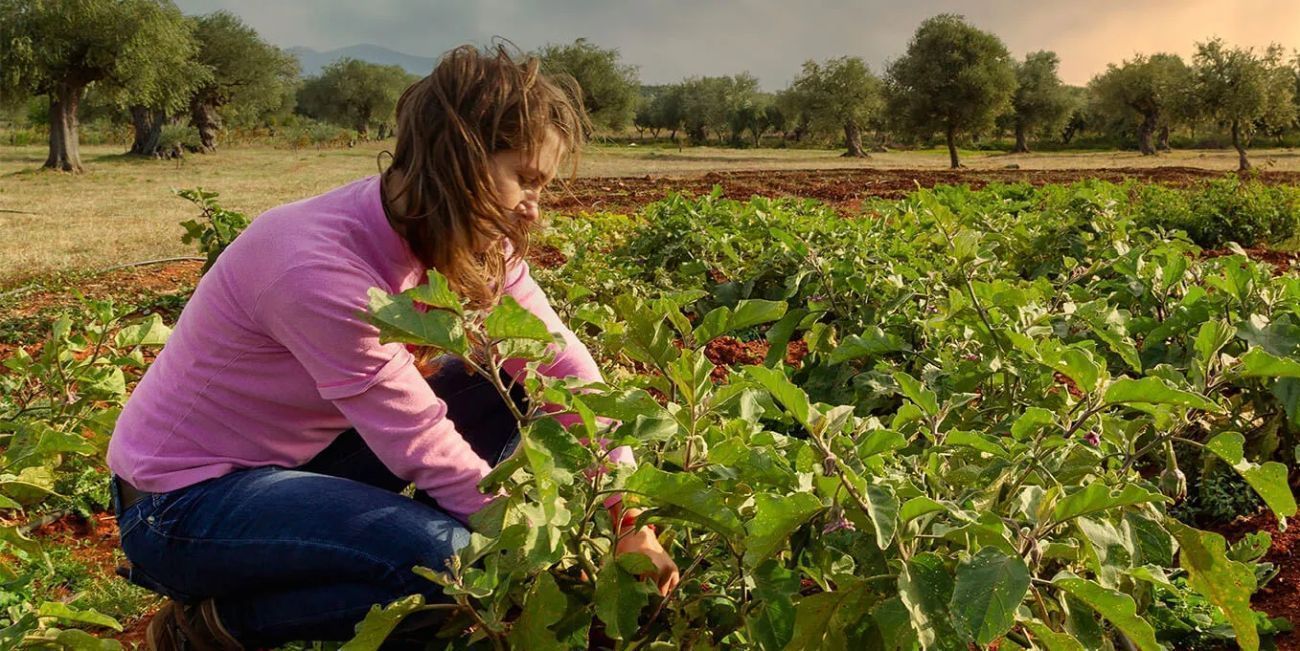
[{"x": 672, "y": 39}]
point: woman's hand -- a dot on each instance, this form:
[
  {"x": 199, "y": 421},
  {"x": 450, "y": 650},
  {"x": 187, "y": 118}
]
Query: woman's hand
[{"x": 643, "y": 541}]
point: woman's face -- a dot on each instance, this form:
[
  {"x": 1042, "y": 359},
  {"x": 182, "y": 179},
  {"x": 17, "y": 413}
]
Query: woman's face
[{"x": 519, "y": 180}]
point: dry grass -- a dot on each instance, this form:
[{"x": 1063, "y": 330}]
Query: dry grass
[{"x": 122, "y": 208}]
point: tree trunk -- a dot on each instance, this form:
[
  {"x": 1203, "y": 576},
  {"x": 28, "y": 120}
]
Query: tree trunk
[
  {"x": 1243, "y": 163},
  {"x": 853, "y": 141},
  {"x": 148, "y": 125},
  {"x": 1163, "y": 142},
  {"x": 65, "y": 147},
  {"x": 1022, "y": 144},
  {"x": 204, "y": 117},
  {"x": 1146, "y": 133},
  {"x": 952, "y": 147}
]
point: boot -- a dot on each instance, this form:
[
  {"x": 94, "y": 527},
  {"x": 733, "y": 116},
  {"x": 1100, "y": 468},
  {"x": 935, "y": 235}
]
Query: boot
[{"x": 196, "y": 627}]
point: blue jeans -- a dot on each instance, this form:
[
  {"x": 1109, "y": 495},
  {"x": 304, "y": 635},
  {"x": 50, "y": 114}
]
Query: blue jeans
[{"x": 303, "y": 553}]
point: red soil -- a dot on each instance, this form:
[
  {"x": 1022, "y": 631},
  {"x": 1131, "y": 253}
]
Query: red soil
[{"x": 1281, "y": 597}]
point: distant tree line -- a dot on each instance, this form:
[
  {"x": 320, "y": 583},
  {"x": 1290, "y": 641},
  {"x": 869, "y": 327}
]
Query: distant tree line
[{"x": 143, "y": 62}]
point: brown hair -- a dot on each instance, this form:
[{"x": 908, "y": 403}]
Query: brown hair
[{"x": 474, "y": 104}]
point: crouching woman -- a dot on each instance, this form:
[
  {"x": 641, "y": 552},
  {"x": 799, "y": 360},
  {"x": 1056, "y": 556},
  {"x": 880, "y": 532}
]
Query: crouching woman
[{"x": 259, "y": 464}]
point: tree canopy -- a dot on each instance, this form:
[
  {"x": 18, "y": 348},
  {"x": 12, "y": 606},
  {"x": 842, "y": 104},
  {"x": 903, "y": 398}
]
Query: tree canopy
[
  {"x": 609, "y": 88},
  {"x": 839, "y": 94},
  {"x": 1149, "y": 90},
  {"x": 1041, "y": 102},
  {"x": 1242, "y": 90},
  {"x": 954, "y": 79},
  {"x": 354, "y": 93}
]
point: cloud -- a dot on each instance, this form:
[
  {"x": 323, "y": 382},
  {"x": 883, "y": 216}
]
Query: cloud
[{"x": 670, "y": 39}]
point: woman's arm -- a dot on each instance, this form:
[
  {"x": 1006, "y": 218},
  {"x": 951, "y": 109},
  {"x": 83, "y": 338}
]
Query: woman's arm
[{"x": 314, "y": 310}]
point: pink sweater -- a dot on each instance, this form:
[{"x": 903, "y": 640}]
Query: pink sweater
[{"x": 269, "y": 360}]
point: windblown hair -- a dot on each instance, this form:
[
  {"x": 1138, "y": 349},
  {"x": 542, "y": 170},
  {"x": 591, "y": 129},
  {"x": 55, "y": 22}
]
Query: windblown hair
[{"x": 474, "y": 104}]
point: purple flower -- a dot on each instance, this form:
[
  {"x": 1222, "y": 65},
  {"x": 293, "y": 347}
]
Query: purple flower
[
  {"x": 1091, "y": 438},
  {"x": 837, "y": 523}
]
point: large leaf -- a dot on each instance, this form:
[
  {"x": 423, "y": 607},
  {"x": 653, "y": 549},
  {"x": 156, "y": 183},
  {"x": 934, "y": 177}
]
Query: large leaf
[
  {"x": 690, "y": 495},
  {"x": 398, "y": 320},
  {"x": 871, "y": 342},
  {"x": 436, "y": 293},
  {"x": 989, "y": 588},
  {"x": 1269, "y": 480},
  {"x": 510, "y": 320},
  {"x": 1117, "y": 607},
  {"x": 1156, "y": 391},
  {"x": 150, "y": 332},
  {"x": 64, "y": 612},
  {"x": 380, "y": 622},
  {"x": 1225, "y": 583},
  {"x": 775, "y": 518},
  {"x": 620, "y": 596},
  {"x": 926, "y": 588},
  {"x": 1097, "y": 496},
  {"x": 785, "y": 392},
  {"x": 1259, "y": 363},
  {"x": 543, "y": 608},
  {"x": 882, "y": 507}
]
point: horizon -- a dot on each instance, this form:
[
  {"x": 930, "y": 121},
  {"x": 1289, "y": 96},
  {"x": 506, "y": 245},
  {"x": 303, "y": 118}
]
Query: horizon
[{"x": 667, "y": 45}]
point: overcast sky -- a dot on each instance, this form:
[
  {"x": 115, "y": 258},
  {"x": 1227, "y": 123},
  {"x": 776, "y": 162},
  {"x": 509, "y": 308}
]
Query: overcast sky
[{"x": 670, "y": 39}]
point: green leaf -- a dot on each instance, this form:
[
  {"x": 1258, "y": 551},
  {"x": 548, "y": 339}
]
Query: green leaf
[
  {"x": 872, "y": 342},
  {"x": 917, "y": 507},
  {"x": 776, "y": 517},
  {"x": 437, "y": 293},
  {"x": 620, "y": 597},
  {"x": 1117, "y": 607},
  {"x": 510, "y": 320},
  {"x": 1225, "y": 583},
  {"x": 879, "y": 442},
  {"x": 1051, "y": 640},
  {"x": 926, "y": 587},
  {"x": 697, "y": 502},
  {"x": 64, "y": 612},
  {"x": 1156, "y": 391},
  {"x": 989, "y": 588},
  {"x": 1097, "y": 496},
  {"x": 752, "y": 312},
  {"x": 924, "y": 398},
  {"x": 398, "y": 320},
  {"x": 544, "y": 606},
  {"x": 151, "y": 332},
  {"x": 785, "y": 392},
  {"x": 380, "y": 622},
  {"x": 882, "y": 506},
  {"x": 1269, "y": 480},
  {"x": 1258, "y": 363},
  {"x": 775, "y": 586}
]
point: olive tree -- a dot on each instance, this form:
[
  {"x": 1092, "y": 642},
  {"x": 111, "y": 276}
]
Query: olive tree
[
  {"x": 709, "y": 103},
  {"x": 59, "y": 48},
  {"x": 841, "y": 92},
  {"x": 1151, "y": 90},
  {"x": 953, "y": 79},
  {"x": 354, "y": 93},
  {"x": 609, "y": 88},
  {"x": 247, "y": 76},
  {"x": 1041, "y": 102},
  {"x": 1243, "y": 91}
]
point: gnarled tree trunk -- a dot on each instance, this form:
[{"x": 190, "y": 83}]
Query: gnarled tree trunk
[
  {"x": 1022, "y": 143},
  {"x": 1146, "y": 134},
  {"x": 204, "y": 117},
  {"x": 1243, "y": 163},
  {"x": 1163, "y": 142},
  {"x": 148, "y": 124},
  {"x": 65, "y": 148},
  {"x": 853, "y": 141}
]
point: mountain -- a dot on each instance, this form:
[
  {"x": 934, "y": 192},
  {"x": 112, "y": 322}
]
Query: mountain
[{"x": 312, "y": 60}]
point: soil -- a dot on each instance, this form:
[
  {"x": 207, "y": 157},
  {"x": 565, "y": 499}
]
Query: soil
[
  {"x": 1281, "y": 597},
  {"x": 726, "y": 352},
  {"x": 847, "y": 188},
  {"x": 95, "y": 543},
  {"x": 1281, "y": 261}
]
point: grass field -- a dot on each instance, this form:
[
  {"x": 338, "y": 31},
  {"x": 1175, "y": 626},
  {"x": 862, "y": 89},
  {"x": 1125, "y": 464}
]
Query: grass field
[{"x": 122, "y": 209}]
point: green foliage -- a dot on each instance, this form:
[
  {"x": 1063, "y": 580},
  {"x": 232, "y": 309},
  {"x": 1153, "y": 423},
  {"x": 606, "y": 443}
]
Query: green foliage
[
  {"x": 962, "y": 457},
  {"x": 609, "y": 88},
  {"x": 839, "y": 94},
  {"x": 216, "y": 228},
  {"x": 1222, "y": 211},
  {"x": 954, "y": 79},
  {"x": 1237, "y": 88},
  {"x": 354, "y": 93},
  {"x": 1145, "y": 93},
  {"x": 1041, "y": 102},
  {"x": 247, "y": 77}
]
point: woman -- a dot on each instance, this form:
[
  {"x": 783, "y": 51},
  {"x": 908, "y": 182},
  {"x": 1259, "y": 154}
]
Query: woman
[{"x": 259, "y": 463}]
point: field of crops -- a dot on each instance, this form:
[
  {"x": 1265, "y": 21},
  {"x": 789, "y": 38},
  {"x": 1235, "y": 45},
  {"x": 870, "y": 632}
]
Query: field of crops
[{"x": 1057, "y": 417}]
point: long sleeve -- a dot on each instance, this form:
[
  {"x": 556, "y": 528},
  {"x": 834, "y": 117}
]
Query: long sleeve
[{"x": 314, "y": 311}]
